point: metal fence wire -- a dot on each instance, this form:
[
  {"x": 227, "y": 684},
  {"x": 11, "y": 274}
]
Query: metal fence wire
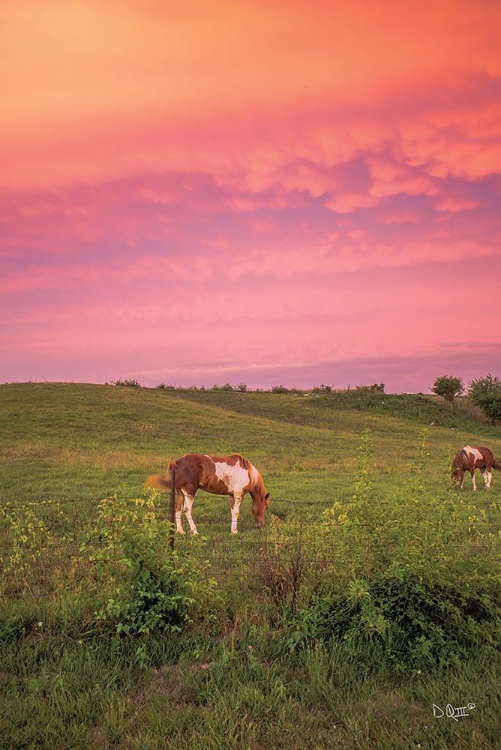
[{"x": 49, "y": 562}]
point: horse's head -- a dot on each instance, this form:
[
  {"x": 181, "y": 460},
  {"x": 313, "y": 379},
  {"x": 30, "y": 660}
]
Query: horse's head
[
  {"x": 457, "y": 474},
  {"x": 260, "y": 502}
]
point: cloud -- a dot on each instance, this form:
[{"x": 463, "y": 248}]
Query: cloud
[{"x": 322, "y": 178}]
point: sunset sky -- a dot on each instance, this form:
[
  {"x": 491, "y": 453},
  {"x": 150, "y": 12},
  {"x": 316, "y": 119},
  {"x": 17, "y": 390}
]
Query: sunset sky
[{"x": 271, "y": 192}]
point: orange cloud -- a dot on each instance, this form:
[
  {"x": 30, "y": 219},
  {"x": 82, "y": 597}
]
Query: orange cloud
[{"x": 101, "y": 89}]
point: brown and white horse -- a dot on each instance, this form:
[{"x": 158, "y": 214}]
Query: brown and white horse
[
  {"x": 222, "y": 475},
  {"x": 470, "y": 459}
]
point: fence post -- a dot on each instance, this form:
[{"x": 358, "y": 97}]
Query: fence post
[{"x": 172, "y": 505}]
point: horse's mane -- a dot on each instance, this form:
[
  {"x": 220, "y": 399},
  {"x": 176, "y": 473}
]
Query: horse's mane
[
  {"x": 459, "y": 458},
  {"x": 243, "y": 461}
]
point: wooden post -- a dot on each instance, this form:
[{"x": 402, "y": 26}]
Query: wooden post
[{"x": 172, "y": 505}]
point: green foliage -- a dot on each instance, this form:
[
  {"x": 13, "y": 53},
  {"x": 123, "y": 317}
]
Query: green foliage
[
  {"x": 374, "y": 388},
  {"x": 417, "y": 622},
  {"x": 486, "y": 393},
  {"x": 279, "y": 389},
  {"x": 448, "y": 387},
  {"x": 321, "y": 389},
  {"x": 150, "y": 589},
  {"x": 129, "y": 383},
  {"x": 401, "y": 573},
  {"x": 29, "y": 537},
  {"x": 225, "y": 387}
]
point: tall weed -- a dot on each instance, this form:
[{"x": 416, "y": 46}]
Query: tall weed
[{"x": 148, "y": 587}]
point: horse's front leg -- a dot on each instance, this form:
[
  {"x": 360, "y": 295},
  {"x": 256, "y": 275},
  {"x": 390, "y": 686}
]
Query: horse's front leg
[
  {"x": 236, "y": 500},
  {"x": 473, "y": 480},
  {"x": 188, "y": 504}
]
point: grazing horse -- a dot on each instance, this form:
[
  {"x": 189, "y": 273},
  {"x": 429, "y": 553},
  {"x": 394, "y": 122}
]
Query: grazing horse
[
  {"x": 470, "y": 459},
  {"x": 228, "y": 475}
]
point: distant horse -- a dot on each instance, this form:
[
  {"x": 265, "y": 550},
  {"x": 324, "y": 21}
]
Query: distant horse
[
  {"x": 470, "y": 459},
  {"x": 228, "y": 475}
]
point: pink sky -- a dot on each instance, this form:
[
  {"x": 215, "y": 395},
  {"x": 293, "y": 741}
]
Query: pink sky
[{"x": 259, "y": 191}]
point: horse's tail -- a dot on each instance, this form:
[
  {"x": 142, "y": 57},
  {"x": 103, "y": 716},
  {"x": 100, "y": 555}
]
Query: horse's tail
[{"x": 160, "y": 482}]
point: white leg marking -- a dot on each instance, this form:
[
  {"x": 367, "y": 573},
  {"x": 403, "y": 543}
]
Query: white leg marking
[
  {"x": 188, "y": 504},
  {"x": 488, "y": 479},
  {"x": 179, "y": 523},
  {"x": 473, "y": 480},
  {"x": 235, "y": 510}
]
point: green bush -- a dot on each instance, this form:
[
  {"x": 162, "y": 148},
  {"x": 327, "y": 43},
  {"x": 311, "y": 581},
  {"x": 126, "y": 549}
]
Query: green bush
[
  {"x": 148, "y": 587},
  {"x": 417, "y": 623},
  {"x": 448, "y": 387},
  {"x": 129, "y": 383},
  {"x": 486, "y": 393}
]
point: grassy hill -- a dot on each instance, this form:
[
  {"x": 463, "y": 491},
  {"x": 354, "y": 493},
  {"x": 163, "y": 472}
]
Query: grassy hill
[
  {"x": 76, "y": 443},
  {"x": 297, "y": 636}
]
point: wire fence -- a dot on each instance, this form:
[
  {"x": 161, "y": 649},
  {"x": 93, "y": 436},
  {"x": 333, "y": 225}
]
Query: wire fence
[{"x": 52, "y": 558}]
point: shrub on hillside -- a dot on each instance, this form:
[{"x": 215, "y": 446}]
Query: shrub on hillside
[
  {"x": 486, "y": 393},
  {"x": 130, "y": 383},
  {"x": 417, "y": 623},
  {"x": 448, "y": 387},
  {"x": 374, "y": 388}
]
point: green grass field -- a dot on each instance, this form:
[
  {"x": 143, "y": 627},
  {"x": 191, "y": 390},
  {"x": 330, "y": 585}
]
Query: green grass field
[{"x": 338, "y": 626}]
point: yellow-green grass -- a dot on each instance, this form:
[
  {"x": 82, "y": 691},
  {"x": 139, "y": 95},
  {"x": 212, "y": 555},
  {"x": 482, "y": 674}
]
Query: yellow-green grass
[{"x": 76, "y": 444}]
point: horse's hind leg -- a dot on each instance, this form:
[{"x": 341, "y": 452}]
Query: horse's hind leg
[
  {"x": 188, "y": 504},
  {"x": 178, "y": 513},
  {"x": 235, "y": 511},
  {"x": 487, "y": 478}
]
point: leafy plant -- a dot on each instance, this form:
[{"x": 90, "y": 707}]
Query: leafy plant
[
  {"x": 418, "y": 623},
  {"x": 29, "y": 537},
  {"x": 130, "y": 383},
  {"x": 374, "y": 388},
  {"x": 149, "y": 589},
  {"x": 486, "y": 393}
]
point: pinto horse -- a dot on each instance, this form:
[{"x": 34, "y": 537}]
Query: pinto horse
[
  {"x": 222, "y": 475},
  {"x": 470, "y": 459}
]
